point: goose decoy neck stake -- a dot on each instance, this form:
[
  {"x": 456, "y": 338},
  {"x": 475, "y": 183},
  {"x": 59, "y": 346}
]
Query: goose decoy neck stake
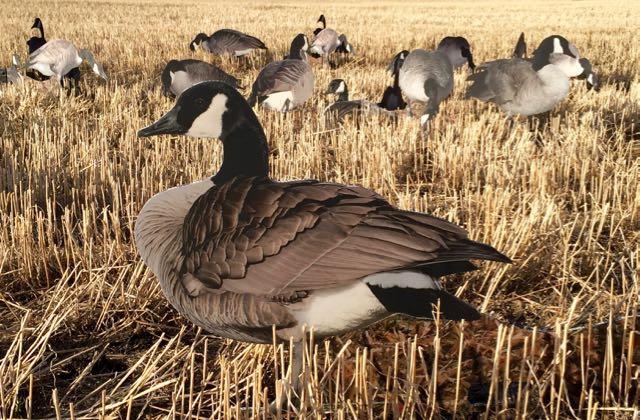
[{"x": 214, "y": 109}]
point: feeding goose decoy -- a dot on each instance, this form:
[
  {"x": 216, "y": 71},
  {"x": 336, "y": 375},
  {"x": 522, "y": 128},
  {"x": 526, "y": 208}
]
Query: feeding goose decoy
[
  {"x": 458, "y": 50},
  {"x": 392, "y": 96},
  {"x": 427, "y": 76},
  {"x": 343, "y": 107},
  {"x": 227, "y": 41},
  {"x": 179, "y": 75},
  {"x": 559, "y": 44},
  {"x": 327, "y": 41},
  {"x": 526, "y": 87},
  {"x": 286, "y": 84},
  {"x": 36, "y": 42},
  {"x": 58, "y": 57},
  {"x": 239, "y": 254}
]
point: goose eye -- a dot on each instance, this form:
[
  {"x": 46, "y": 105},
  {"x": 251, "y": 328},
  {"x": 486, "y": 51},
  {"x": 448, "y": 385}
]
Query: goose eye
[{"x": 200, "y": 103}]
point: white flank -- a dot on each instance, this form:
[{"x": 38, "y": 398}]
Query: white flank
[
  {"x": 45, "y": 69},
  {"x": 409, "y": 279},
  {"x": 337, "y": 310},
  {"x": 209, "y": 123},
  {"x": 278, "y": 101},
  {"x": 240, "y": 53}
]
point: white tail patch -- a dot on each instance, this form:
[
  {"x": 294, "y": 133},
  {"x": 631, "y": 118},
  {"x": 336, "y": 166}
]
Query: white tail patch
[
  {"x": 279, "y": 101},
  {"x": 209, "y": 123},
  {"x": 407, "y": 279},
  {"x": 240, "y": 53}
]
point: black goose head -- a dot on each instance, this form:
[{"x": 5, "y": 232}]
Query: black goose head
[
  {"x": 458, "y": 50},
  {"x": 322, "y": 20},
  {"x": 207, "y": 109},
  {"x": 397, "y": 61},
  {"x": 37, "y": 24},
  {"x": 593, "y": 81},
  {"x": 299, "y": 46},
  {"x": 197, "y": 41},
  {"x": 336, "y": 86},
  {"x": 557, "y": 44},
  {"x": 171, "y": 67},
  {"x": 345, "y": 47}
]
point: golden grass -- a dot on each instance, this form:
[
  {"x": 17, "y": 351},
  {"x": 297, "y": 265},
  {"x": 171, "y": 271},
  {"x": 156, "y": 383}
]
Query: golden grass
[{"x": 85, "y": 330}]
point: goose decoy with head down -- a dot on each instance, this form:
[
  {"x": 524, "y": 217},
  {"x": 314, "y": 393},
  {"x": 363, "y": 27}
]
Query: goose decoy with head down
[
  {"x": 58, "y": 57},
  {"x": 327, "y": 41},
  {"x": 458, "y": 50},
  {"x": 392, "y": 96},
  {"x": 526, "y": 87},
  {"x": 559, "y": 44},
  {"x": 286, "y": 84},
  {"x": 343, "y": 107},
  {"x": 227, "y": 41},
  {"x": 179, "y": 75},
  {"x": 427, "y": 76},
  {"x": 242, "y": 256}
]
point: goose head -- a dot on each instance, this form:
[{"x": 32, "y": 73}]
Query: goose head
[
  {"x": 336, "y": 87},
  {"x": 397, "y": 61},
  {"x": 37, "y": 24},
  {"x": 95, "y": 66},
  {"x": 458, "y": 50},
  {"x": 197, "y": 41},
  {"x": 345, "y": 46},
  {"x": 322, "y": 20},
  {"x": 570, "y": 66},
  {"x": 593, "y": 82},
  {"x": 557, "y": 44},
  {"x": 299, "y": 47}
]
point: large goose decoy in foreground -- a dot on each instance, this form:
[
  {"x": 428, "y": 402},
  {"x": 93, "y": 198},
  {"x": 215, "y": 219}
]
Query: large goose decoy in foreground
[
  {"x": 343, "y": 107},
  {"x": 58, "y": 57},
  {"x": 239, "y": 253},
  {"x": 179, "y": 75},
  {"x": 521, "y": 87},
  {"x": 227, "y": 41},
  {"x": 286, "y": 84},
  {"x": 427, "y": 76}
]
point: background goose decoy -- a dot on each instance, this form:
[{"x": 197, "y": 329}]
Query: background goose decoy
[
  {"x": 327, "y": 41},
  {"x": 179, "y": 75},
  {"x": 286, "y": 84},
  {"x": 525, "y": 87},
  {"x": 392, "y": 96},
  {"x": 36, "y": 42},
  {"x": 227, "y": 41},
  {"x": 238, "y": 254},
  {"x": 11, "y": 74},
  {"x": 559, "y": 44},
  {"x": 427, "y": 76},
  {"x": 58, "y": 57},
  {"x": 458, "y": 50},
  {"x": 343, "y": 107}
]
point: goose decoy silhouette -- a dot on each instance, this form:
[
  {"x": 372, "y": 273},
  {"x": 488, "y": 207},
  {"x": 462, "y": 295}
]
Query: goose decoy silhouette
[
  {"x": 58, "y": 57},
  {"x": 227, "y": 41},
  {"x": 527, "y": 87},
  {"x": 427, "y": 76},
  {"x": 179, "y": 75},
  {"x": 286, "y": 84},
  {"x": 242, "y": 255}
]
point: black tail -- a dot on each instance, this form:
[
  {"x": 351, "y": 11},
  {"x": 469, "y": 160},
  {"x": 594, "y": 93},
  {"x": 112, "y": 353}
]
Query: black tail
[
  {"x": 521, "y": 47},
  {"x": 422, "y": 303}
]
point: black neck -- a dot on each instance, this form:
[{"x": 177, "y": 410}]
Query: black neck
[
  {"x": 396, "y": 78},
  {"x": 246, "y": 153},
  {"x": 344, "y": 95},
  {"x": 296, "y": 53}
]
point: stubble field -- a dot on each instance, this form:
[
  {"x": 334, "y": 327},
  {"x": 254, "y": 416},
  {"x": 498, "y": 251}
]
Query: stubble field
[{"x": 86, "y": 331}]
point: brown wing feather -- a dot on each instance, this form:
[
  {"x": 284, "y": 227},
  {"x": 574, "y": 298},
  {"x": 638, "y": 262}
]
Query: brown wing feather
[
  {"x": 279, "y": 76},
  {"x": 265, "y": 238},
  {"x": 230, "y": 40}
]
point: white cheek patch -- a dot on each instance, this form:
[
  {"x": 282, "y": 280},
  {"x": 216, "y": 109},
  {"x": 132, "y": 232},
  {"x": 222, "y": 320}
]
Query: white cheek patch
[
  {"x": 557, "y": 47},
  {"x": 209, "y": 123},
  {"x": 349, "y": 48},
  {"x": 172, "y": 76},
  {"x": 424, "y": 119},
  {"x": 96, "y": 69},
  {"x": 590, "y": 79},
  {"x": 341, "y": 88}
]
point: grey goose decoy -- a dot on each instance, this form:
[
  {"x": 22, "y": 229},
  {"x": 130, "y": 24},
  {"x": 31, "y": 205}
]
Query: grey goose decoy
[
  {"x": 286, "y": 84},
  {"x": 559, "y": 44},
  {"x": 458, "y": 50},
  {"x": 11, "y": 74},
  {"x": 427, "y": 76},
  {"x": 239, "y": 253},
  {"x": 343, "y": 107},
  {"x": 227, "y": 41},
  {"x": 179, "y": 75},
  {"x": 392, "y": 96},
  {"x": 36, "y": 42},
  {"x": 327, "y": 41},
  {"x": 58, "y": 57},
  {"x": 522, "y": 87}
]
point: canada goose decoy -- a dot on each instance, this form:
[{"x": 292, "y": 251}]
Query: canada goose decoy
[
  {"x": 11, "y": 75},
  {"x": 344, "y": 107},
  {"x": 522, "y": 87},
  {"x": 58, "y": 57},
  {"x": 458, "y": 50},
  {"x": 227, "y": 41},
  {"x": 286, "y": 84},
  {"x": 559, "y": 44},
  {"x": 392, "y": 96},
  {"x": 427, "y": 76},
  {"x": 327, "y": 41},
  {"x": 239, "y": 254},
  {"x": 178, "y": 75}
]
